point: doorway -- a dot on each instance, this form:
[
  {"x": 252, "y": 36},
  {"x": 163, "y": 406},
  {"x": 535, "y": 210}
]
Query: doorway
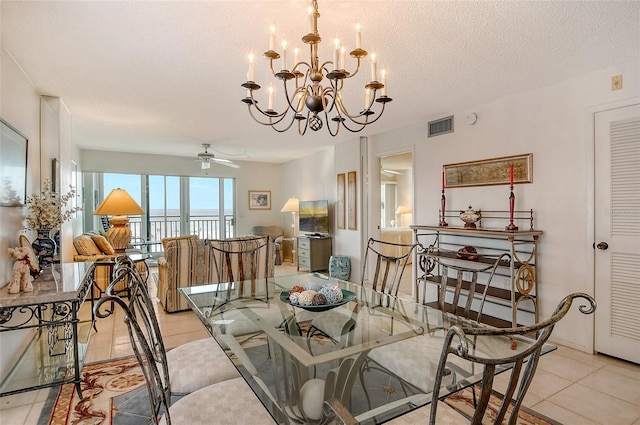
[
  {"x": 396, "y": 190},
  {"x": 617, "y": 232}
]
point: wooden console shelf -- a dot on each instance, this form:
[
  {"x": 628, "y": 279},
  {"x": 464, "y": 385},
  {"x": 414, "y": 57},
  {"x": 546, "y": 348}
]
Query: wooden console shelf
[{"x": 513, "y": 285}]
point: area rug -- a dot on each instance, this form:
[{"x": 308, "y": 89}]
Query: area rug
[
  {"x": 102, "y": 383},
  {"x": 462, "y": 401},
  {"x": 114, "y": 394}
]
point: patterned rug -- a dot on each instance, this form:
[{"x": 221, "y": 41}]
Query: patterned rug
[
  {"x": 102, "y": 384},
  {"x": 114, "y": 394},
  {"x": 462, "y": 401}
]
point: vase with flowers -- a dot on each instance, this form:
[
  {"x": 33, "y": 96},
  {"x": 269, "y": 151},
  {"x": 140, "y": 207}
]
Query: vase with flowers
[{"x": 47, "y": 211}]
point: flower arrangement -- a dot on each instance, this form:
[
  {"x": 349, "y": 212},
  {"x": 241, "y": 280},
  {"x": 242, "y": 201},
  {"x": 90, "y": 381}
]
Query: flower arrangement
[{"x": 46, "y": 208}]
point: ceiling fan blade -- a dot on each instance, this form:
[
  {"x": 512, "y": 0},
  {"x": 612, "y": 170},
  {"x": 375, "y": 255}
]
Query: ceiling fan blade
[{"x": 225, "y": 162}]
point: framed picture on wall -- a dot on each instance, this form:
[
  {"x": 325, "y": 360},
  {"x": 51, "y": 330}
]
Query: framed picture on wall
[
  {"x": 55, "y": 175},
  {"x": 259, "y": 199},
  {"x": 352, "y": 208},
  {"x": 13, "y": 166},
  {"x": 340, "y": 204}
]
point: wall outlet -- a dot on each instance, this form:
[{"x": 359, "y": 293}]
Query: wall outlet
[{"x": 616, "y": 82}]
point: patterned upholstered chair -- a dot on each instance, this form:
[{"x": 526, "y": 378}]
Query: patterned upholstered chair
[
  {"x": 226, "y": 401},
  {"x": 185, "y": 263}
]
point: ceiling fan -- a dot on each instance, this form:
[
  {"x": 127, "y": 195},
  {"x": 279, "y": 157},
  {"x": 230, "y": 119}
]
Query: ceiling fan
[{"x": 207, "y": 158}]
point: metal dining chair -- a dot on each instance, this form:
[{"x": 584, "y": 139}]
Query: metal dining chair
[
  {"x": 235, "y": 401},
  {"x": 512, "y": 349},
  {"x": 389, "y": 261},
  {"x": 187, "y": 369}
]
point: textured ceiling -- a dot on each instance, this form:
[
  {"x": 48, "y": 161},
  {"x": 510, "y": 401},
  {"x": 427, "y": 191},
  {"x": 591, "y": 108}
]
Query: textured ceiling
[{"x": 165, "y": 77}]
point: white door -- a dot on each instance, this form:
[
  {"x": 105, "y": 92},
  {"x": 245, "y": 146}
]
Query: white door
[{"x": 617, "y": 232}]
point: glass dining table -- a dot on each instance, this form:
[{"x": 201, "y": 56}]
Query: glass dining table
[{"x": 375, "y": 353}]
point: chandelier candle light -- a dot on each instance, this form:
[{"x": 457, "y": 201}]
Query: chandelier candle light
[{"x": 321, "y": 102}]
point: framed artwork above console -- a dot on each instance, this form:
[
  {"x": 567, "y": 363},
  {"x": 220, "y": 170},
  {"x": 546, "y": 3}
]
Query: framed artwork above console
[{"x": 13, "y": 166}]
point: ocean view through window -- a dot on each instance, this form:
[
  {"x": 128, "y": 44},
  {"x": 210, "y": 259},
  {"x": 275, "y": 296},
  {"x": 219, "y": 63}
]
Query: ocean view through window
[{"x": 176, "y": 206}]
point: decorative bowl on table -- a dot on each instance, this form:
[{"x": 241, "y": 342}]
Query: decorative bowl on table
[{"x": 325, "y": 298}]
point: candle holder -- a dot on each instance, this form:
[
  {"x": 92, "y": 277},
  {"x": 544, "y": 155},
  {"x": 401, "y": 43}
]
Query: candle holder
[
  {"x": 443, "y": 203},
  {"x": 512, "y": 204}
]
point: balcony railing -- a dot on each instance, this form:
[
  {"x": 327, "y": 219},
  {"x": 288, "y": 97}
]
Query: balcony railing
[{"x": 206, "y": 227}]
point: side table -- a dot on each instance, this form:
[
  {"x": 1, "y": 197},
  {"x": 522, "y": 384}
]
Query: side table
[
  {"x": 55, "y": 354},
  {"x": 291, "y": 241}
]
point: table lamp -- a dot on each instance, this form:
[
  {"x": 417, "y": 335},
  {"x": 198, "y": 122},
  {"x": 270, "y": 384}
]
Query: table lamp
[
  {"x": 402, "y": 210},
  {"x": 119, "y": 204},
  {"x": 293, "y": 207}
]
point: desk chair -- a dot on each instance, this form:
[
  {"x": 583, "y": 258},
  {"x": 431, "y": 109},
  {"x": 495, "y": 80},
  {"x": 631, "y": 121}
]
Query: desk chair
[{"x": 522, "y": 358}]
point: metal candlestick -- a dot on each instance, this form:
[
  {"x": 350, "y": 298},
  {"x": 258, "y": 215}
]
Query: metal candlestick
[
  {"x": 512, "y": 204},
  {"x": 443, "y": 203}
]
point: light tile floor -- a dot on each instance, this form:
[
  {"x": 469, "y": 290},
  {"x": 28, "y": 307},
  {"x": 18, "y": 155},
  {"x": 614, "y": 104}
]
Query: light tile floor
[{"x": 570, "y": 386}]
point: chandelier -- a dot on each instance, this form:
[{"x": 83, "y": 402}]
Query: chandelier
[{"x": 310, "y": 103}]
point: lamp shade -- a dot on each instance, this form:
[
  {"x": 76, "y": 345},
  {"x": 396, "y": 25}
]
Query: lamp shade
[
  {"x": 118, "y": 202},
  {"x": 403, "y": 209},
  {"x": 292, "y": 205}
]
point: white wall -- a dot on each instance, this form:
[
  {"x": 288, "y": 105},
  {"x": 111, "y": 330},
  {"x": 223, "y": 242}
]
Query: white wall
[
  {"x": 19, "y": 106},
  {"x": 250, "y": 176},
  {"x": 554, "y": 124},
  {"x": 349, "y": 242}
]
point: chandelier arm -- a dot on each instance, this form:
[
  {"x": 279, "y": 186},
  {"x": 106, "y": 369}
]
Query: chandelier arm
[
  {"x": 273, "y": 124},
  {"x": 367, "y": 121},
  {"x": 280, "y": 115},
  {"x": 326, "y": 118},
  {"x": 331, "y": 93},
  {"x": 306, "y": 125},
  {"x": 295, "y": 93},
  {"x": 354, "y": 73},
  {"x": 271, "y": 117}
]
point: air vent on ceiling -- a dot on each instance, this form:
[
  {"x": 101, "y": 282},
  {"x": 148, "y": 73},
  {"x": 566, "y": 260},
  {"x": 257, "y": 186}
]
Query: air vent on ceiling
[{"x": 441, "y": 126}]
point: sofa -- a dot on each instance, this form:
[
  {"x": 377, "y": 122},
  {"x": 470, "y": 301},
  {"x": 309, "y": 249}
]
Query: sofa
[
  {"x": 276, "y": 233},
  {"x": 94, "y": 246},
  {"x": 187, "y": 262}
]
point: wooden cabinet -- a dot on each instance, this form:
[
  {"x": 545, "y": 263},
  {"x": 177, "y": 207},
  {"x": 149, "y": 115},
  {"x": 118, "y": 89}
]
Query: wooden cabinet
[
  {"x": 314, "y": 253},
  {"x": 511, "y": 279}
]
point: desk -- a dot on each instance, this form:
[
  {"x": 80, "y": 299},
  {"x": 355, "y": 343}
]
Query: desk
[
  {"x": 382, "y": 326},
  {"x": 57, "y": 347}
]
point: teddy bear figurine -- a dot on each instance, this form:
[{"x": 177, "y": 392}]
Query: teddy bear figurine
[{"x": 20, "y": 276}]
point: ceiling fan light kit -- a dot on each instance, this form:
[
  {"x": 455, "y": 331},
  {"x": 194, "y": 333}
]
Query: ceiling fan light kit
[
  {"x": 206, "y": 158},
  {"x": 309, "y": 103}
]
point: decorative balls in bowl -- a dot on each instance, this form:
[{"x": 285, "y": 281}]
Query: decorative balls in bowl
[{"x": 317, "y": 298}]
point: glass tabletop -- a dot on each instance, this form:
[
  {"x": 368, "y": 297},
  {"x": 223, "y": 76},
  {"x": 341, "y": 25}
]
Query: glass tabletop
[{"x": 282, "y": 350}]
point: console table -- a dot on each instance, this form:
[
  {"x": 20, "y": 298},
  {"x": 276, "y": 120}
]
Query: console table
[
  {"x": 58, "y": 342},
  {"x": 519, "y": 273}
]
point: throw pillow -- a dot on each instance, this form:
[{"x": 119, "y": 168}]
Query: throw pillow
[
  {"x": 85, "y": 246},
  {"x": 103, "y": 244}
]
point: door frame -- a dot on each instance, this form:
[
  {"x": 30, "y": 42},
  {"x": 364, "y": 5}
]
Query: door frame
[{"x": 590, "y": 196}]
